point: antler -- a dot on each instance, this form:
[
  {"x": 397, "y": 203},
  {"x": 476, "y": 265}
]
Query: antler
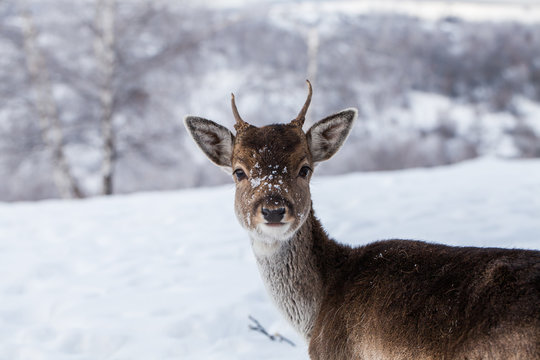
[
  {"x": 299, "y": 121},
  {"x": 240, "y": 124}
]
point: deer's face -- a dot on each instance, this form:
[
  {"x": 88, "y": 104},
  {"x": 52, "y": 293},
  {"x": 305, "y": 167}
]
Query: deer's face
[{"x": 272, "y": 166}]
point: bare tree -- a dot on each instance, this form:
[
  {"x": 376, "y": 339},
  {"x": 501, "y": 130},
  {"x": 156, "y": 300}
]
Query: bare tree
[
  {"x": 312, "y": 41},
  {"x": 44, "y": 102},
  {"x": 106, "y": 60}
]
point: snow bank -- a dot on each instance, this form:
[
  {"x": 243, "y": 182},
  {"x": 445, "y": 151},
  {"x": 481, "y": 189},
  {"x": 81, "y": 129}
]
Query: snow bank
[{"x": 171, "y": 275}]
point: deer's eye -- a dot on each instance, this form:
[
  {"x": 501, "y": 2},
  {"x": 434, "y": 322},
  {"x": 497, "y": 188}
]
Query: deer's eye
[
  {"x": 240, "y": 174},
  {"x": 304, "y": 171}
]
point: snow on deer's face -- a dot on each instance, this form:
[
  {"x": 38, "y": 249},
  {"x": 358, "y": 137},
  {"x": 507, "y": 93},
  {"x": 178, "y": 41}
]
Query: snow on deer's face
[{"x": 272, "y": 167}]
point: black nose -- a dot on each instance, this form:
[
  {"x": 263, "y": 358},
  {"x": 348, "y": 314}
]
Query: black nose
[{"x": 274, "y": 215}]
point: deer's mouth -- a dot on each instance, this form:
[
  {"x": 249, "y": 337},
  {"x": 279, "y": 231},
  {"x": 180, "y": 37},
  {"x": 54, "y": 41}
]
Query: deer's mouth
[
  {"x": 271, "y": 224},
  {"x": 274, "y": 230}
]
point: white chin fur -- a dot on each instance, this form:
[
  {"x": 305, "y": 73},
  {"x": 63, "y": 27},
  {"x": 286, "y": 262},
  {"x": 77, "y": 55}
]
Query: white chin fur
[
  {"x": 266, "y": 239},
  {"x": 275, "y": 233}
]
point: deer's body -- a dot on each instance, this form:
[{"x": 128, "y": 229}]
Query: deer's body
[
  {"x": 394, "y": 299},
  {"x": 400, "y": 299}
]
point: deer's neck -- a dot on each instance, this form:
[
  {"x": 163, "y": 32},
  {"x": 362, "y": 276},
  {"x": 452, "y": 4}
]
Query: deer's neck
[{"x": 294, "y": 275}]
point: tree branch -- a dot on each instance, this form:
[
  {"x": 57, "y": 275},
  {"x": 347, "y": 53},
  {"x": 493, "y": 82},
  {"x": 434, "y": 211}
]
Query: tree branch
[{"x": 275, "y": 337}]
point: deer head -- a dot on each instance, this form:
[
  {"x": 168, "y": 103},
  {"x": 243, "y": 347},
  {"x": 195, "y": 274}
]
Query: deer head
[{"x": 272, "y": 166}]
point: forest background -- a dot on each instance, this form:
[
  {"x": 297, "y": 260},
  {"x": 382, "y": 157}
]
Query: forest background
[{"x": 93, "y": 92}]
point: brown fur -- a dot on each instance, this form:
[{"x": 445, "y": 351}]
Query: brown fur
[
  {"x": 402, "y": 299},
  {"x": 394, "y": 299},
  {"x": 260, "y": 158}
]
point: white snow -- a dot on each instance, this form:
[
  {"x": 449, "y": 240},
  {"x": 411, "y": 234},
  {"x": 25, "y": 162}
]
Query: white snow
[
  {"x": 172, "y": 276},
  {"x": 490, "y": 10},
  {"x": 427, "y": 111},
  {"x": 255, "y": 181}
]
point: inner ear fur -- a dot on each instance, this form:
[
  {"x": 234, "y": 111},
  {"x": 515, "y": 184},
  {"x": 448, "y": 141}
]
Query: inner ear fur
[
  {"x": 214, "y": 140},
  {"x": 327, "y": 135}
]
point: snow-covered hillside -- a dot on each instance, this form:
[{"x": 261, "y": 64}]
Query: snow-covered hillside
[
  {"x": 435, "y": 82},
  {"x": 171, "y": 275},
  {"x": 498, "y": 10}
]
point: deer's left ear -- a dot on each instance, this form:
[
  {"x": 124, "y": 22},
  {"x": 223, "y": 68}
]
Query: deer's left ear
[
  {"x": 326, "y": 136},
  {"x": 215, "y": 141}
]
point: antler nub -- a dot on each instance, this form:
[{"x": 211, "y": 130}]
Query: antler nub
[
  {"x": 299, "y": 121},
  {"x": 240, "y": 124}
]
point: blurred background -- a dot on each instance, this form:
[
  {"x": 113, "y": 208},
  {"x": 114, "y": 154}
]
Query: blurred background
[{"x": 93, "y": 92}]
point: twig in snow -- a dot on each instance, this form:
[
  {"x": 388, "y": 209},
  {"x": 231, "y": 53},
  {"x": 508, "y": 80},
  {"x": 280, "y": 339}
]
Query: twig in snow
[{"x": 275, "y": 337}]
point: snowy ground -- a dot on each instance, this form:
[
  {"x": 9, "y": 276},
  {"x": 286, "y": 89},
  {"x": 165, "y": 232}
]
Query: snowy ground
[{"x": 171, "y": 275}]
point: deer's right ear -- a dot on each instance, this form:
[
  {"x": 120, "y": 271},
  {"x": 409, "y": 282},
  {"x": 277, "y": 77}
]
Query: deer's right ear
[
  {"x": 326, "y": 136},
  {"x": 215, "y": 141}
]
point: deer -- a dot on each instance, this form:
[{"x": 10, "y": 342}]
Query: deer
[{"x": 390, "y": 299}]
